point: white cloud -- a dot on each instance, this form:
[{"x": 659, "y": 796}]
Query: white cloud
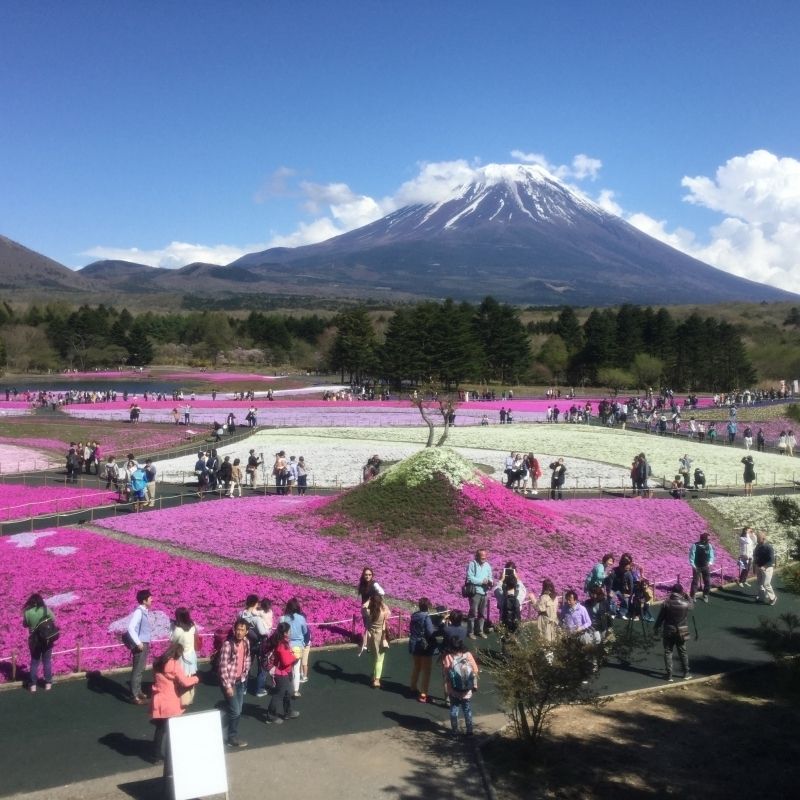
[
  {"x": 307, "y": 233},
  {"x": 435, "y": 182},
  {"x": 350, "y": 210},
  {"x": 175, "y": 254},
  {"x": 759, "y": 238},
  {"x": 607, "y": 202},
  {"x": 581, "y": 168},
  {"x": 759, "y": 188},
  {"x": 276, "y": 185},
  {"x": 680, "y": 238}
]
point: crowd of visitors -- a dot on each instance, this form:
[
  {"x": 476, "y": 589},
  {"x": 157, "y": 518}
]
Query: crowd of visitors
[{"x": 270, "y": 657}]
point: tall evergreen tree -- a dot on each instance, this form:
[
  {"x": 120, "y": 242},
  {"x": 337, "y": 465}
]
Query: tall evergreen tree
[
  {"x": 630, "y": 340},
  {"x": 505, "y": 342},
  {"x": 354, "y": 349},
  {"x": 569, "y": 329},
  {"x": 140, "y": 349},
  {"x": 453, "y": 339},
  {"x": 600, "y": 346}
]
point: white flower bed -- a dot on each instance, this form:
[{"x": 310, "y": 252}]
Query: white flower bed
[
  {"x": 755, "y": 512},
  {"x": 721, "y": 464},
  {"x": 332, "y": 461}
]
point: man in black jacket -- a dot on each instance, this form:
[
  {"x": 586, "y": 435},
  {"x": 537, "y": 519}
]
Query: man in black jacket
[
  {"x": 674, "y": 616},
  {"x": 764, "y": 560}
]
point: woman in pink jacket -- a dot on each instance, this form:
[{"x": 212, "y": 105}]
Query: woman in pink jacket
[{"x": 169, "y": 682}]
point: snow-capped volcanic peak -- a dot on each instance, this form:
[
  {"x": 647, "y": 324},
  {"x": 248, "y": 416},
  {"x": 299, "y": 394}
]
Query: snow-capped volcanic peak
[
  {"x": 493, "y": 174},
  {"x": 502, "y": 193}
]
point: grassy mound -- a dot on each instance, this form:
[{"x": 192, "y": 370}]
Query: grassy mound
[{"x": 417, "y": 497}]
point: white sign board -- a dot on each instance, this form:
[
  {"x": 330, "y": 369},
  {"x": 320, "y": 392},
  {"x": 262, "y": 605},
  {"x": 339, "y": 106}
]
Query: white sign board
[{"x": 198, "y": 755}]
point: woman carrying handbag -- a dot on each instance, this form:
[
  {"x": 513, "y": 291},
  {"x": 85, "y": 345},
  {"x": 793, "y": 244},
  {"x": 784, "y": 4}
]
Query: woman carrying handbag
[{"x": 377, "y": 635}]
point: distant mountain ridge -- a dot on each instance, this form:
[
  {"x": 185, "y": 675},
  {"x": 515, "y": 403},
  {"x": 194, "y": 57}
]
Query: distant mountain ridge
[{"x": 516, "y": 233}]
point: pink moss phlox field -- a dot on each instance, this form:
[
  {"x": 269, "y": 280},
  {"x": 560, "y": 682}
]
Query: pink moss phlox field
[
  {"x": 559, "y": 540},
  {"x": 19, "y": 502},
  {"x": 105, "y": 575},
  {"x": 44, "y": 444},
  {"x": 772, "y": 429}
]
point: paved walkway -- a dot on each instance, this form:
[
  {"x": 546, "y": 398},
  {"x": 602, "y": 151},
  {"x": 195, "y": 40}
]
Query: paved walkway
[{"x": 82, "y": 740}]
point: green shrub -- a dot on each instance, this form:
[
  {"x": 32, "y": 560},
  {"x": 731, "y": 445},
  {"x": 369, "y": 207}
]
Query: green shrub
[
  {"x": 787, "y": 511},
  {"x": 534, "y": 677}
]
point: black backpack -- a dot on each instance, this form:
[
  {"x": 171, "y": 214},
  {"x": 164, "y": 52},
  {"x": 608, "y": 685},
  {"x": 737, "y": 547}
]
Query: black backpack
[
  {"x": 45, "y": 634},
  {"x": 510, "y": 615}
]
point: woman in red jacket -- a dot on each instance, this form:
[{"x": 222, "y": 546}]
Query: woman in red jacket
[
  {"x": 169, "y": 682},
  {"x": 281, "y": 659}
]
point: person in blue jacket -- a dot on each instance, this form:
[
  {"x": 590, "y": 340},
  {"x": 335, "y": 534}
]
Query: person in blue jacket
[{"x": 701, "y": 559}]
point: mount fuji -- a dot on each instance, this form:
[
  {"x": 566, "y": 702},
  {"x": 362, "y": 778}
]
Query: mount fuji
[{"x": 516, "y": 233}]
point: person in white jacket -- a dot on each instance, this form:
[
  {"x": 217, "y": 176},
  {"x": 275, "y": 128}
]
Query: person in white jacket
[{"x": 747, "y": 543}]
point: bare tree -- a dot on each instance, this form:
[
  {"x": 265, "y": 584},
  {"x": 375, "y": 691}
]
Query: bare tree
[{"x": 430, "y": 398}]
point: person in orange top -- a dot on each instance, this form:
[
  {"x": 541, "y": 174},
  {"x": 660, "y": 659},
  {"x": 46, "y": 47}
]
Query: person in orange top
[{"x": 169, "y": 681}]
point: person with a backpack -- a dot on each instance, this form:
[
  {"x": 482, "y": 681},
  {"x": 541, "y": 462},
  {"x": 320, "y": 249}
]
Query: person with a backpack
[
  {"x": 460, "y": 681},
  {"x": 510, "y": 595},
  {"x": 701, "y": 559},
  {"x": 256, "y": 632},
  {"x": 112, "y": 472},
  {"x": 41, "y": 624},
  {"x": 509, "y": 608},
  {"x": 73, "y": 463},
  {"x": 422, "y": 647},
  {"x": 233, "y": 668}
]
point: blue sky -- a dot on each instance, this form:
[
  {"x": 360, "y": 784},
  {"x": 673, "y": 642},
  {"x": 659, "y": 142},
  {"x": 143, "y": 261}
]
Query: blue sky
[{"x": 168, "y": 132}]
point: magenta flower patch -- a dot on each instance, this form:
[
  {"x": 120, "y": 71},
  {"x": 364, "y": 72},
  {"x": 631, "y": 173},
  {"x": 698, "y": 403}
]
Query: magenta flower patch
[
  {"x": 20, "y": 502},
  {"x": 91, "y": 583},
  {"x": 559, "y": 540}
]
